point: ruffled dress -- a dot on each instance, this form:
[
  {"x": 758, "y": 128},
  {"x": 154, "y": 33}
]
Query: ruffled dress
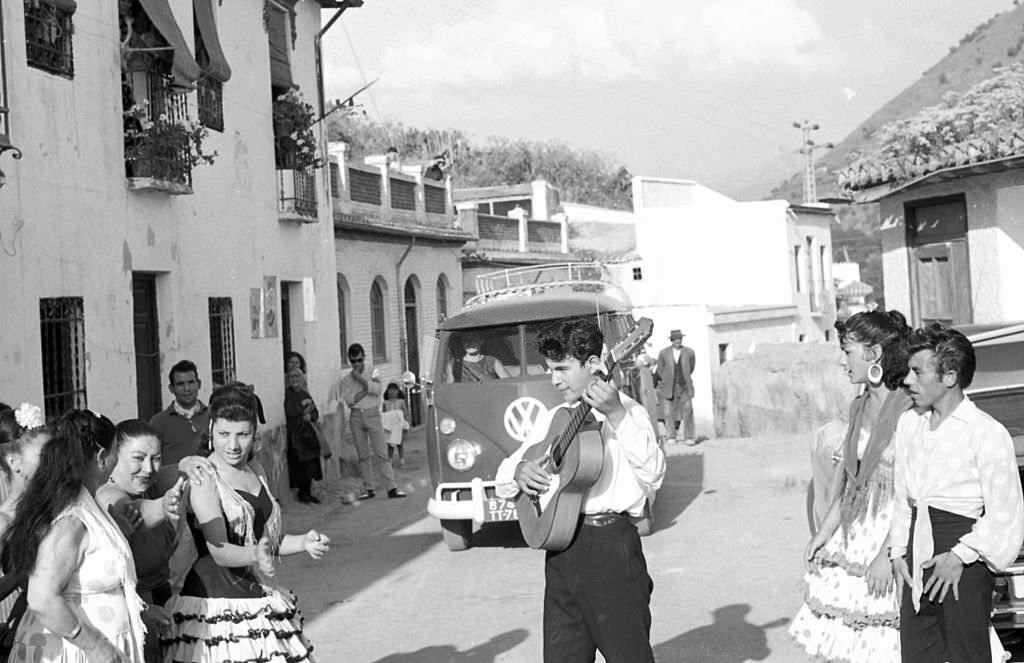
[
  {"x": 230, "y": 614},
  {"x": 101, "y": 593},
  {"x": 840, "y": 620}
]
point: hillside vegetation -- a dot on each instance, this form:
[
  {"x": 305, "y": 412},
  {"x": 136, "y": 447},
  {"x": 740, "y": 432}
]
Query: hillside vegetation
[{"x": 994, "y": 44}]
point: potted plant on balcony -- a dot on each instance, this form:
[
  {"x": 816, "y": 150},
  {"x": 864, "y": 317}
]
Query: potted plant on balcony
[
  {"x": 294, "y": 140},
  {"x": 163, "y": 150}
]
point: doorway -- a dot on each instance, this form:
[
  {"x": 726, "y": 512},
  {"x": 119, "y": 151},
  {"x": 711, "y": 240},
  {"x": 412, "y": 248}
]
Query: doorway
[{"x": 147, "y": 345}]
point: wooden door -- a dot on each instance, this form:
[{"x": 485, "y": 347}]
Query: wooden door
[{"x": 942, "y": 283}]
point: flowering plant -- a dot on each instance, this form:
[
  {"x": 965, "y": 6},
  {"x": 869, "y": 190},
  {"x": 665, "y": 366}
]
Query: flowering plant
[
  {"x": 29, "y": 416},
  {"x": 163, "y": 149},
  {"x": 294, "y": 141}
]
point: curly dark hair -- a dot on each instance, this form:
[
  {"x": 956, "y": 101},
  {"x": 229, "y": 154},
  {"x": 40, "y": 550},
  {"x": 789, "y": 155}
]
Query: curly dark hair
[
  {"x": 887, "y": 329},
  {"x": 64, "y": 466},
  {"x": 953, "y": 352},
  {"x": 579, "y": 338}
]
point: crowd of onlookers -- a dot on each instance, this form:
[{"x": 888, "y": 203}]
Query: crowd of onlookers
[{"x": 156, "y": 540}]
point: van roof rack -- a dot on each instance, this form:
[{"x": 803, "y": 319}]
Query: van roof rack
[{"x": 540, "y": 279}]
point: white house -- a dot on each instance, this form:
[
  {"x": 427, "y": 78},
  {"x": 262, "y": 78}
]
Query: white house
[
  {"x": 729, "y": 274},
  {"x": 118, "y": 258}
]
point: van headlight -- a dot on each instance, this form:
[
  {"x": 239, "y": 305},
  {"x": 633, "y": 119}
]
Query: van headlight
[
  {"x": 446, "y": 425},
  {"x": 462, "y": 454}
]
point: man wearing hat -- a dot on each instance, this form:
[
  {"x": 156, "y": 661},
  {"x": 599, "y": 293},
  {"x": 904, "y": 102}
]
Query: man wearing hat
[{"x": 673, "y": 377}]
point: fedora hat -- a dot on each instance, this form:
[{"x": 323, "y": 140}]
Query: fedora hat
[{"x": 674, "y": 334}]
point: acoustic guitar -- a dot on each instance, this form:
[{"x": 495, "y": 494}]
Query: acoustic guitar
[{"x": 573, "y": 457}]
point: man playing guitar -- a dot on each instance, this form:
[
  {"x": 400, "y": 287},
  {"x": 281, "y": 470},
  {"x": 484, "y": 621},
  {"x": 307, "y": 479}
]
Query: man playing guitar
[{"x": 597, "y": 590}]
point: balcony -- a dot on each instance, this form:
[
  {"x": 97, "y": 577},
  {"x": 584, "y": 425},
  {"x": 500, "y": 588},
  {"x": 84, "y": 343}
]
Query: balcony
[
  {"x": 383, "y": 199},
  {"x": 158, "y": 139},
  {"x": 296, "y": 194}
]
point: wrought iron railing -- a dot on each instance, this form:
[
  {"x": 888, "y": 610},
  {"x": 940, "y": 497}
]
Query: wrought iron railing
[
  {"x": 297, "y": 191},
  {"x": 48, "y": 43}
]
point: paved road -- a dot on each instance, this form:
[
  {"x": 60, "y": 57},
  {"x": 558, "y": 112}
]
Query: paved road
[{"x": 725, "y": 563}]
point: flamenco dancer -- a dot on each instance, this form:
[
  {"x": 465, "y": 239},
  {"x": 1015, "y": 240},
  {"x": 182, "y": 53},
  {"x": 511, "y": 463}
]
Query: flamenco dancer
[{"x": 225, "y": 611}]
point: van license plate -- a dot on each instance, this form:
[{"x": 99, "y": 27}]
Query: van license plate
[{"x": 499, "y": 509}]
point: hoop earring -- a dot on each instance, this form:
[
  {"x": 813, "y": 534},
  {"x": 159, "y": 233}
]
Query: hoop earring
[{"x": 875, "y": 374}]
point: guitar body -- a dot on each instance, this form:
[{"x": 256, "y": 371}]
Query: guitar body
[{"x": 548, "y": 521}]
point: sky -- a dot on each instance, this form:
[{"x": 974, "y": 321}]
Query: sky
[{"x": 706, "y": 90}]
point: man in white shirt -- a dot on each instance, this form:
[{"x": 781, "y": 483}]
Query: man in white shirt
[
  {"x": 959, "y": 512},
  {"x": 597, "y": 591}
]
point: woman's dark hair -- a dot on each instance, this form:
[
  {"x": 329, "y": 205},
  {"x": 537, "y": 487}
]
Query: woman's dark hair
[
  {"x": 12, "y": 434},
  {"x": 579, "y": 338},
  {"x": 887, "y": 329},
  {"x": 387, "y": 390},
  {"x": 132, "y": 428},
  {"x": 64, "y": 465},
  {"x": 953, "y": 352},
  {"x": 234, "y": 402},
  {"x": 302, "y": 360},
  {"x": 9, "y": 428}
]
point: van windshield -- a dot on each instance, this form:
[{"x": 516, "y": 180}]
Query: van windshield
[{"x": 491, "y": 353}]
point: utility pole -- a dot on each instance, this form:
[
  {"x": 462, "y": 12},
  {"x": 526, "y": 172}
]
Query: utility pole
[{"x": 807, "y": 149}]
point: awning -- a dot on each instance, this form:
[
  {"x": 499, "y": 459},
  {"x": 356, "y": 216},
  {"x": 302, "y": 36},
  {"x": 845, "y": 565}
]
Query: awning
[
  {"x": 277, "y": 38},
  {"x": 69, "y": 6},
  {"x": 206, "y": 25},
  {"x": 184, "y": 69}
]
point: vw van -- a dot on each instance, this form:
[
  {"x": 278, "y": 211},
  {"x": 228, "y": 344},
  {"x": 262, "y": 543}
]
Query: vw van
[{"x": 477, "y": 416}]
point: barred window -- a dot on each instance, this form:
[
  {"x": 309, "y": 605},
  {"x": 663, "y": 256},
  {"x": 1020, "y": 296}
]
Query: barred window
[
  {"x": 48, "y": 31},
  {"x": 62, "y": 334},
  {"x": 222, "y": 341},
  {"x": 210, "y": 97},
  {"x": 378, "y": 332}
]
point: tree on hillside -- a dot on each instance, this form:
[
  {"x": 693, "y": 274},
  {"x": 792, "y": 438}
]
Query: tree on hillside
[{"x": 580, "y": 175}]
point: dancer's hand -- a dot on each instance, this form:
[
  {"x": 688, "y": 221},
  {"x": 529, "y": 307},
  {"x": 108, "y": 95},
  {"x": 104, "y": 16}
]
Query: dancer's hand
[
  {"x": 812, "y": 562},
  {"x": 901, "y": 573},
  {"x": 263, "y": 559},
  {"x": 879, "y": 575},
  {"x": 172, "y": 499},
  {"x": 197, "y": 469},
  {"x": 946, "y": 576},
  {"x": 316, "y": 544},
  {"x": 127, "y": 517},
  {"x": 156, "y": 615}
]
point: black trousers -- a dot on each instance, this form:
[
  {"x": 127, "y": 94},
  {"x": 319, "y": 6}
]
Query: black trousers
[
  {"x": 597, "y": 596},
  {"x": 954, "y": 631}
]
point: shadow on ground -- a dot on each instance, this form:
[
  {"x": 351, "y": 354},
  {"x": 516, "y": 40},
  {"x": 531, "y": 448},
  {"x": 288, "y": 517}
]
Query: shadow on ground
[
  {"x": 729, "y": 638},
  {"x": 684, "y": 481},
  {"x": 486, "y": 652}
]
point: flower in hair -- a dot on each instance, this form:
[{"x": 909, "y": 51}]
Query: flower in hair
[{"x": 29, "y": 416}]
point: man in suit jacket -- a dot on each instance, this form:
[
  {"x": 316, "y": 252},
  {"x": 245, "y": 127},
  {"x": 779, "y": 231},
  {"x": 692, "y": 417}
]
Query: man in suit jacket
[{"x": 674, "y": 378}]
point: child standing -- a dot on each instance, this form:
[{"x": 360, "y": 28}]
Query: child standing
[{"x": 394, "y": 418}]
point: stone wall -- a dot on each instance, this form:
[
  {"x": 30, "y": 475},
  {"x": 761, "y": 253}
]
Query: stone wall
[{"x": 781, "y": 388}]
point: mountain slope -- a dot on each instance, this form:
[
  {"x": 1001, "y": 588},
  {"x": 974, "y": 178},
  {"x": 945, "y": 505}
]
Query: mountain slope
[{"x": 996, "y": 42}]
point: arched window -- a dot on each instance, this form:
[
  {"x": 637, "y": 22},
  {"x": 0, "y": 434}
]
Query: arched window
[
  {"x": 442, "y": 298},
  {"x": 378, "y": 330},
  {"x": 343, "y": 293}
]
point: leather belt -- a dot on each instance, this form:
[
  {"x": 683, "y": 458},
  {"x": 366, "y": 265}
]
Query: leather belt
[{"x": 603, "y": 519}]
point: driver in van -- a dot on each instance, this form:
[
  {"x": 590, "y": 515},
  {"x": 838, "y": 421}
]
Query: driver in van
[{"x": 474, "y": 365}]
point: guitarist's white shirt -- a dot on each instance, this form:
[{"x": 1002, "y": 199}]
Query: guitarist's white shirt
[{"x": 634, "y": 464}]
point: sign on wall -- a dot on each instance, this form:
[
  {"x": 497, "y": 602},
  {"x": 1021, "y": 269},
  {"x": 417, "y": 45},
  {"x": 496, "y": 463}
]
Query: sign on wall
[{"x": 263, "y": 304}]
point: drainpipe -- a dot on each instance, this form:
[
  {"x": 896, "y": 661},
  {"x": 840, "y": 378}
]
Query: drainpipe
[
  {"x": 403, "y": 342},
  {"x": 345, "y": 4}
]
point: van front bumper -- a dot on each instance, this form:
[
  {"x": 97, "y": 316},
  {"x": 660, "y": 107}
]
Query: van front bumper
[{"x": 471, "y": 500}]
